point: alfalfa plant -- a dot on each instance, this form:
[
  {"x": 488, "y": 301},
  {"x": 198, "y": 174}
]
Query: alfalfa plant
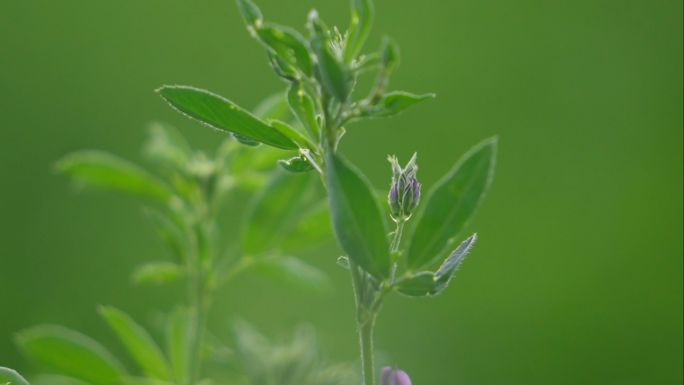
[
  {"x": 287, "y": 213},
  {"x": 320, "y": 69}
]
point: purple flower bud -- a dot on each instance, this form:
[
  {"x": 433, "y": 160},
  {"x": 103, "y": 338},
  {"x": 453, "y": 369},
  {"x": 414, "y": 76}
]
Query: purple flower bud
[
  {"x": 394, "y": 377},
  {"x": 405, "y": 191}
]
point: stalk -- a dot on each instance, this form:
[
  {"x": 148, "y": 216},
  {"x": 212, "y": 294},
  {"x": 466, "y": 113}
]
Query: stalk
[{"x": 366, "y": 336}]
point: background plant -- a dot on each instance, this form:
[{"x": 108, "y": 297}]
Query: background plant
[{"x": 285, "y": 215}]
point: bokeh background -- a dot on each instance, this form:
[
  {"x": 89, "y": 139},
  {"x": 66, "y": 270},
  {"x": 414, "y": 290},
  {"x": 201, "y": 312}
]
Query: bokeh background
[{"x": 577, "y": 276}]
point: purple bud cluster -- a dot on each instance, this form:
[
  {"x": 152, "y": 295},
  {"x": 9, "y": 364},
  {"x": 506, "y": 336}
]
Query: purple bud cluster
[
  {"x": 404, "y": 194},
  {"x": 391, "y": 376}
]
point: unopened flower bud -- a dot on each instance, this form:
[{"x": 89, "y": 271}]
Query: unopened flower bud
[
  {"x": 394, "y": 377},
  {"x": 404, "y": 194}
]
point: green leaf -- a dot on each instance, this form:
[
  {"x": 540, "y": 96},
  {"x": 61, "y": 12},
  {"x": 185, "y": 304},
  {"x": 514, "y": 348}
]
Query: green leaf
[
  {"x": 179, "y": 342},
  {"x": 288, "y": 44},
  {"x": 130, "y": 380},
  {"x": 426, "y": 284},
  {"x": 167, "y": 146},
  {"x": 294, "y": 272},
  {"x": 300, "y": 139},
  {"x": 451, "y": 264},
  {"x": 450, "y": 204},
  {"x": 303, "y": 108},
  {"x": 138, "y": 342},
  {"x": 250, "y": 13},
  {"x": 418, "y": 285},
  {"x": 274, "y": 107},
  {"x": 310, "y": 229},
  {"x": 11, "y": 377},
  {"x": 104, "y": 170},
  {"x": 393, "y": 103},
  {"x": 70, "y": 353},
  {"x": 296, "y": 164},
  {"x": 272, "y": 209},
  {"x": 157, "y": 273},
  {"x": 220, "y": 113},
  {"x": 357, "y": 219},
  {"x": 334, "y": 74},
  {"x": 361, "y": 21}
]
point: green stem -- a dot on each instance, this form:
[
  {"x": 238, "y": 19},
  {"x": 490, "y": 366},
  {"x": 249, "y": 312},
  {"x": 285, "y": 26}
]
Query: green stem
[
  {"x": 366, "y": 335},
  {"x": 394, "y": 247}
]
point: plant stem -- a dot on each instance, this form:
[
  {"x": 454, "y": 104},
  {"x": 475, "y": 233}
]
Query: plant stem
[
  {"x": 366, "y": 335},
  {"x": 397, "y": 235}
]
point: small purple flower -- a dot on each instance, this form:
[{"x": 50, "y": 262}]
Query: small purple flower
[
  {"x": 391, "y": 376},
  {"x": 404, "y": 194}
]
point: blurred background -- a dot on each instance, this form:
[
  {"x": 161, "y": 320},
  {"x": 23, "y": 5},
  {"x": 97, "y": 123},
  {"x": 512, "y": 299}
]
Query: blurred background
[{"x": 577, "y": 276}]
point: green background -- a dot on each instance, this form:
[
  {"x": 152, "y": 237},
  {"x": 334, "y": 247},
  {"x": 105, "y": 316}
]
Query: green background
[{"x": 577, "y": 275}]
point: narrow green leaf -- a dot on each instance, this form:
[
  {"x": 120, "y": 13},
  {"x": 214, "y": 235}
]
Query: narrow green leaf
[
  {"x": 303, "y": 108},
  {"x": 451, "y": 264},
  {"x": 250, "y": 13},
  {"x": 179, "y": 342},
  {"x": 274, "y": 107},
  {"x": 361, "y": 21},
  {"x": 299, "y": 138},
  {"x": 418, "y": 285},
  {"x": 272, "y": 209},
  {"x": 357, "y": 219},
  {"x": 308, "y": 230},
  {"x": 296, "y": 164},
  {"x": 72, "y": 353},
  {"x": 294, "y": 272},
  {"x": 220, "y": 113},
  {"x": 138, "y": 342},
  {"x": 11, "y": 377},
  {"x": 104, "y": 170},
  {"x": 450, "y": 204},
  {"x": 393, "y": 103},
  {"x": 288, "y": 44},
  {"x": 334, "y": 74}
]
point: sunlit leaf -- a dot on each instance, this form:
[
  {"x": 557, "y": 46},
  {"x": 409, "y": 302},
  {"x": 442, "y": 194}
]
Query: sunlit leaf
[
  {"x": 104, "y": 170},
  {"x": 451, "y": 264},
  {"x": 288, "y": 44},
  {"x": 71, "y": 353},
  {"x": 220, "y": 113},
  {"x": 11, "y": 377},
  {"x": 450, "y": 204},
  {"x": 138, "y": 342}
]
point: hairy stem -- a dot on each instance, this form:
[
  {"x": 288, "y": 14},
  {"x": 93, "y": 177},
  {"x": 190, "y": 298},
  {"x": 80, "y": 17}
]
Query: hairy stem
[
  {"x": 366, "y": 336},
  {"x": 397, "y": 235}
]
